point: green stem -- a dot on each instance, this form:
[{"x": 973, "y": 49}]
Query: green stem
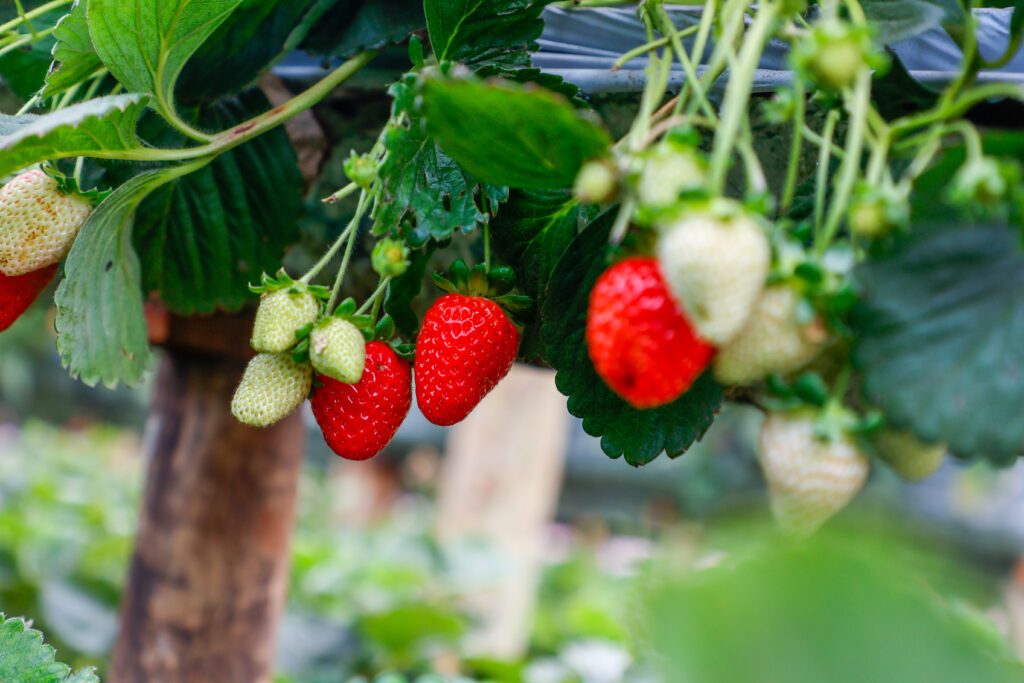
[
  {"x": 373, "y": 297},
  {"x": 24, "y": 40},
  {"x": 737, "y": 94},
  {"x": 851, "y": 163},
  {"x": 32, "y": 101},
  {"x": 487, "y": 247},
  {"x": 25, "y": 20},
  {"x": 340, "y": 194},
  {"x": 342, "y": 238},
  {"x": 354, "y": 227},
  {"x": 1012, "y": 48},
  {"x": 179, "y": 124},
  {"x": 733, "y": 11},
  {"x": 653, "y": 45},
  {"x": 32, "y": 14},
  {"x": 956, "y": 108},
  {"x": 821, "y": 178},
  {"x": 692, "y": 80},
  {"x": 789, "y": 189}
]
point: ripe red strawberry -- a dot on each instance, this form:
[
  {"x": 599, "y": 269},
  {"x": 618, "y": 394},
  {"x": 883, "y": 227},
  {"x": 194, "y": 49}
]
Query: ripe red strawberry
[
  {"x": 466, "y": 345},
  {"x": 359, "y": 419},
  {"x": 19, "y": 291},
  {"x": 641, "y": 344}
]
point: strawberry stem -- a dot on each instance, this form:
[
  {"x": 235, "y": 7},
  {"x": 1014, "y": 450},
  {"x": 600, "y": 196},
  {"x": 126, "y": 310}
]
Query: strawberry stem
[
  {"x": 345, "y": 234},
  {"x": 374, "y": 297},
  {"x": 353, "y": 230},
  {"x": 32, "y": 14},
  {"x": 487, "y": 247}
]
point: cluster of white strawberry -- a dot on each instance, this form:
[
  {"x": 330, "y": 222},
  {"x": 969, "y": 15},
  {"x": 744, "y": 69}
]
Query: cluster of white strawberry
[{"x": 716, "y": 258}]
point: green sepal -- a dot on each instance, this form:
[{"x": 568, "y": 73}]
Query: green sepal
[
  {"x": 384, "y": 330},
  {"x": 810, "y": 272},
  {"x": 502, "y": 279},
  {"x": 345, "y": 309},
  {"x": 69, "y": 186},
  {"x": 300, "y": 354},
  {"x": 361, "y": 169},
  {"x": 459, "y": 273},
  {"x": 416, "y": 51},
  {"x": 304, "y": 331},
  {"x": 390, "y": 257},
  {"x": 281, "y": 280},
  {"x": 406, "y": 351},
  {"x": 810, "y": 388},
  {"x": 515, "y": 303}
]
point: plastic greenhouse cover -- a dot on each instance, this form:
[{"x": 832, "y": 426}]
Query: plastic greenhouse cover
[{"x": 582, "y": 44}]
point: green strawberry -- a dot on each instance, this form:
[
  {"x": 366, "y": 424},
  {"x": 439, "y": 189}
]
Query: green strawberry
[
  {"x": 272, "y": 387},
  {"x": 772, "y": 341},
  {"x": 905, "y": 453},
  {"x": 337, "y": 349},
  {"x": 282, "y": 313}
]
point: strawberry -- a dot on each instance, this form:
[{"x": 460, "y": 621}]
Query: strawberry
[
  {"x": 272, "y": 386},
  {"x": 466, "y": 345},
  {"x": 771, "y": 341},
  {"x": 37, "y": 222},
  {"x": 337, "y": 349},
  {"x": 911, "y": 458},
  {"x": 641, "y": 344},
  {"x": 358, "y": 420},
  {"x": 715, "y": 265},
  {"x": 281, "y": 313},
  {"x": 809, "y": 479},
  {"x": 18, "y": 292}
]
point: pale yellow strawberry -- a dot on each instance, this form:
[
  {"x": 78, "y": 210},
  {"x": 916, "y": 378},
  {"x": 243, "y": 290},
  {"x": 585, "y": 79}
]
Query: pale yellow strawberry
[
  {"x": 772, "y": 341},
  {"x": 715, "y": 266},
  {"x": 809, "y": 479},
  {"x": 338, "y": 349},
  {"x": 281, "y": 313},
  {"x": 668, "y": 169},
  {"x": 907, "y": 455},
  {"x": 272, "y": 386},
  {"x": 38, "y": 223}
]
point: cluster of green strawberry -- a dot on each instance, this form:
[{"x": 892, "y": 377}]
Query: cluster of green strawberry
[
  {"x": 710, "y": 287},
  {"x": 38, "y": 223},
  {"x": 360, "y": 386}
]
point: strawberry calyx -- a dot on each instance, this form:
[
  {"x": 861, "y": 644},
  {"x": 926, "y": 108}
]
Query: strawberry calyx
[
  {"x": 494, "y": 283},
  {"x": 69, "y": 186},
  {"x": 281, "y": 280},
  {"x": 346, "y": 311}
]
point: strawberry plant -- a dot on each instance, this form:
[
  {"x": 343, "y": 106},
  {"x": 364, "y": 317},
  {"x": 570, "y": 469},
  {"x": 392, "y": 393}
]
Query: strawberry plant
[{"x": 870, "y": 287}]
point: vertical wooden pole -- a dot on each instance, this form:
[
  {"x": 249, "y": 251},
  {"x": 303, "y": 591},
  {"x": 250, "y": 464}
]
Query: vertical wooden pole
[
  {"x": 208, "y": 577},
  {"x": 500, "y": 483}
]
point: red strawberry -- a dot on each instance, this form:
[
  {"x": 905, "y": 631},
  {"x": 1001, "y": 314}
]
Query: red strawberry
[
  {"x": 19, "y": 291},
  {"x": 467, "y": 344},
  {"x": 641, "y": 344},
  {"x": 358, "y": 420}
]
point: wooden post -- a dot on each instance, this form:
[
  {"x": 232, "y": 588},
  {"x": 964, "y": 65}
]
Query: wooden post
[
  {"x": 208, "y": 577},
  {"x": 500, "y": 483}
]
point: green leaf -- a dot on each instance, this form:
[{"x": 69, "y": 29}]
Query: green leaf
[
  {"x": 24, "y": 69},
  {"x": 256, "y": 35},
  {"x": 938, "y": 338},
  {"x": 26, "y": 659},
  {"x": 426, "y": 193},
  {"x": 403, "y": 290},
  {"x": 146, "y": 44},
  {"x": 639, "y": 435},
  {"x": 533, "y": 230},
  {"x": 101, "y": 329},
  {"x": 364, "y": 26},
  {"x": 478, "y": 32},
  {"x": 100, "y": 127},
  {"x": 204, "y": 237},
  {"x": 74, "y": 58},
  {"x": 509, "y": 135}
]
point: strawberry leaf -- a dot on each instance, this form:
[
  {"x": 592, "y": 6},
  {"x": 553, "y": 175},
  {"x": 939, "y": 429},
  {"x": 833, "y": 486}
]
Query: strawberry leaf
[
  {"x": 427, "y": 195},
  {"x": 100, "y": 127},
  {"x": 478, "y": 32},
  {"x": 203, "y": 238},
  {"x": 24, "y": 657},
  {"x": 74, "y": 58},
  {"x": 938, "y": 338},
  {"x": 509, "y": 135},
  {"x": 146, "y": 44},
  {"x": 101, "y": 328},
  {"x": 533, "y": 230},
  {"x": 351, "y": 26},
  {"x": 638, "y": 435}
]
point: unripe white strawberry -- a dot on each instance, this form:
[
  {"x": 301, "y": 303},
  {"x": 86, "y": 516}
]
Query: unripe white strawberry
[
  {"x": 37, "y": 223},
  {"x": 809, "y": 479},
  {"x": 338, "y": 349},
  {"x": 906, "y": 454},
  {"x": 596, "y": 182},
  {"x": 668, "y": 169},
  {"x": 281, "y": 313},
  {"x": 715, "y": 266},
  {"x": 272, "y": 386},
  {"x": 772, "y": 341}
]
